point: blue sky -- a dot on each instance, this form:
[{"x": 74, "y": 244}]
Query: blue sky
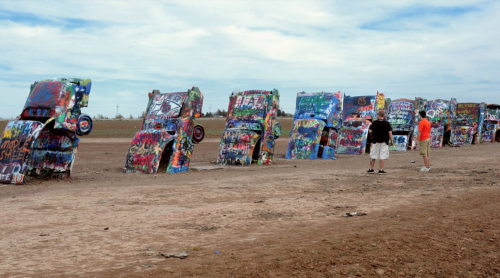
[{"x": 431, "y": 49}]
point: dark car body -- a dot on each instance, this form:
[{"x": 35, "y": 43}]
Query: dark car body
[{"x": 43, "y": 139}]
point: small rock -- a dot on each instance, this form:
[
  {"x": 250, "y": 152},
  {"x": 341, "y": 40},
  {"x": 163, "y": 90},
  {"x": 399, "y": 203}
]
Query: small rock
[
  {"x": 44, "y": 234},
  {"x": 380, "y": 271},
  {"x": 106, "y": 229}
]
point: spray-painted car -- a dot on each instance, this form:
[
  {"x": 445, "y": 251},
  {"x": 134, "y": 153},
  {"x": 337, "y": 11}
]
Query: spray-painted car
[
  {"x": 491, "y": 126},
  {"x": 440, "y": 114},
  {"x": 317, "y": 120},
  {"x": 467, "y": 125},
  {"x": 168, "y": 133},
  {"x": 43, "y": 140},
  {"x": 357, "y": 115},
  {"x": 251, "y": 128},
  {"x": 401, "y": 114}
]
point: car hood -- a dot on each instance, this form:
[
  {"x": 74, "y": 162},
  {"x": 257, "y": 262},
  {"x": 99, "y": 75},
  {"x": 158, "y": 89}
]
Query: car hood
[
  {"x": 145, "y": 151},
  {"x": 237, "y": 146},
  {"x": 304, "y": 139}
]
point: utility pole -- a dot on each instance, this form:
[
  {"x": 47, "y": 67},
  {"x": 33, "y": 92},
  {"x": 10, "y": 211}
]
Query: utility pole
[
  {"x": 210, "y": 108},
  {"x": 116, "y": 110}
]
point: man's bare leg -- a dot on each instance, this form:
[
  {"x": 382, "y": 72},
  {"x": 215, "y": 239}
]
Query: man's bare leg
[
  {"x": 372, "y": 163},
  {"x": 427, "y": 161},
  {"x": 382, "y": 164}
]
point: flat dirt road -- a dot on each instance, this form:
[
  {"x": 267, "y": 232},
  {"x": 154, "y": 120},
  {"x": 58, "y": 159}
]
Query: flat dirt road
[{"x": 282, "y": 220}]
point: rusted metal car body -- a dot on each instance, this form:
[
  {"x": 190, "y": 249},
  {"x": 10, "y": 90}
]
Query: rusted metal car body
[
  {"x": 168, "y": 133},
  {"x": 43, "y": 140},
  {"x": 468, "y": 123},
  {"x": 251, "y": 128},
  {"x": 357, "y": 115},
  {"x": 317, "y": 120}
]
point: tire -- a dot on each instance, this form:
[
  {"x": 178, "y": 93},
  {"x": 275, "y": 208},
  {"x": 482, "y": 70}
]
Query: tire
[{"x": 198, "y": 134}]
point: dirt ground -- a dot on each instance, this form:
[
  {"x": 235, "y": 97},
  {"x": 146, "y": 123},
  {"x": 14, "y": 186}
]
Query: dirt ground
[{"x": 282, "y": 220}]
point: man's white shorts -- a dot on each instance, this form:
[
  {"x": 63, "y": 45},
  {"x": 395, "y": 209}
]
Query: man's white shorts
[{"x": 379, "y": 151}]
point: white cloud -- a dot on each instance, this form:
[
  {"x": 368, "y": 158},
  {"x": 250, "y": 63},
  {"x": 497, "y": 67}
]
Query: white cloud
[{"x": 437, "y": 49}]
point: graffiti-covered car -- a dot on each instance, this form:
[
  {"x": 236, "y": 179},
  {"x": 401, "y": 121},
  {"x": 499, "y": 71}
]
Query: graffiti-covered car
[
  {"x": 251, "y": 128},
  {"x": 43, "y": 140},
  {"x": 317, "y": 120},
  {"x": 401, "y": 114},
  {"x": 167, "y": 134},
  {"x": 440, "y": 114},
  {"x": 491, "y": 125},
  {"x": 357, "y": 115},
  {"x": 467, "y": 125}
]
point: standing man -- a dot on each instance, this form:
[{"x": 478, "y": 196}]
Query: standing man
[
  {"x": 382, "y": 132},
  {"x": 424, "y": 140}
]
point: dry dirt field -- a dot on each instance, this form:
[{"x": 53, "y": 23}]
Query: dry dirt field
[{"x": 281, "y": 220}]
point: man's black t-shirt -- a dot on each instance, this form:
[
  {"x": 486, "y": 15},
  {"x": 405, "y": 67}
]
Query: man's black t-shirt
[{"x": 380, "y": 130}]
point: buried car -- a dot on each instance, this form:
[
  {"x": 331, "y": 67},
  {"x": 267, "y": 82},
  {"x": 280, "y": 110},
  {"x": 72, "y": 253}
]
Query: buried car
[
  {"x": 440, "y": 114},
  {"x": 317, "y": 120},
  {"x": 251, "y": 128},
  {"x": 467, "y": 125},
  {"x": 168, "y": 133},
  {"x": 400, "y": 114},
  {"x": 358, "y": 113},
  {"x": 491, "y": 129},
  {"x": 43, "y": 140}
]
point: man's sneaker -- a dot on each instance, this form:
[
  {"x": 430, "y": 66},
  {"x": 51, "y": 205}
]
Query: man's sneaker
[
  {"x": 370, "y": 171},
  {"x": 382, "y": 172},
  {"x": 425, "y": 169}
]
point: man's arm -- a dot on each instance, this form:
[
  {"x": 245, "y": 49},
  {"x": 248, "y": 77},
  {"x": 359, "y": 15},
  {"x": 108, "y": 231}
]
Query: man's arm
[
  {"x": 390, "y": 136},
  {"x": 418, "y": 136}
]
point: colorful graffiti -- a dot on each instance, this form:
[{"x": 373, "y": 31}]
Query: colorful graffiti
[
  {"x": 441, "y": 114},
  {"x": 462, "y": 135},
  {"x": 491, "y": 123},
  {"x": 304, "y": 139},
  {"x": 401, "y": 114},
  {"x": 237, "y": 146},
  {"x": 468, "y": 123},
  {"x": 400, "y": 143},
  {"x": 45, "y": 136},
  {"x": 167, "y": 133},
  {"x": 251, "y": 128},
  {"x": 322, "y": 106},
  {"x": 15, "y": 147},
  {"x": 437, "y": 134},
  {"x": 493, "y": 112},
  {"x": 248, "y": 106},
  {"x": 352, "y": 136},
  {"x": 439, "y": 111},
  {"x": 316, "y": 122},
  {"x": 364, "y": 106},
  {"x": 491, "y": 129}
]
